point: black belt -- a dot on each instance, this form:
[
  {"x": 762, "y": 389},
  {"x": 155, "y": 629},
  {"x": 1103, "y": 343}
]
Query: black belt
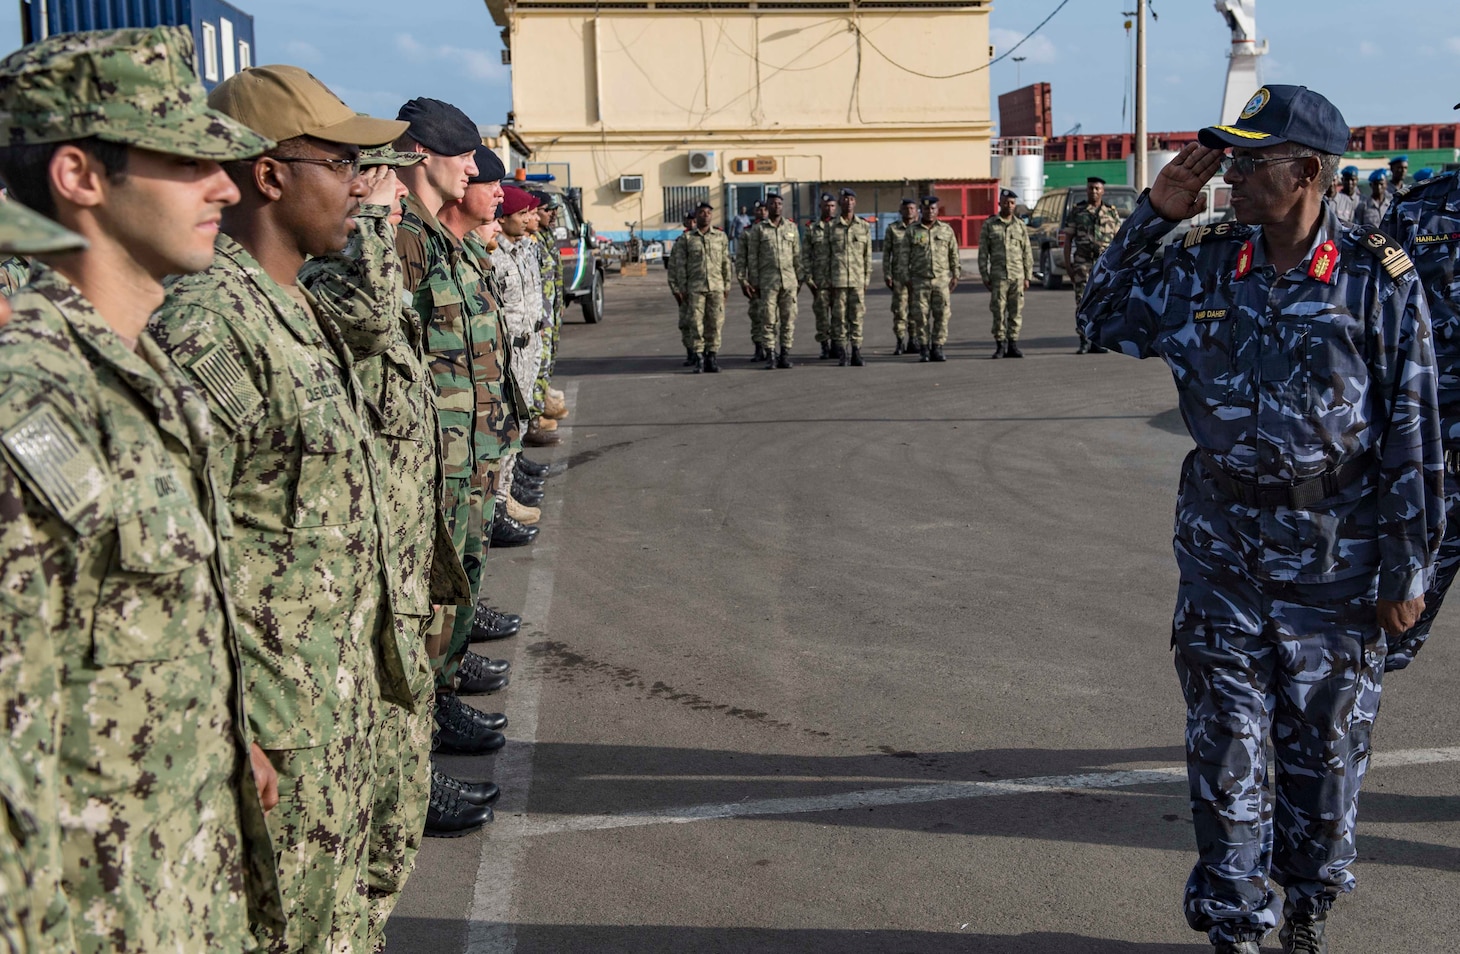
[
  {"x": 1297, "y": 495},
  {"x": 1452, "y": 462}
]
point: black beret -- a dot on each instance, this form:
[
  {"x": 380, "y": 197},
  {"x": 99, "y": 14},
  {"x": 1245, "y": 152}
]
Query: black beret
[
  {"x": 1095, "y": 179},
  {"x": 704, "y": 205},
  {"x": 1008, "y": 194},
  {"x": 440, "y": 127},
  {"x": 489, "y": 165},
  {"x": 848, "y": 192},
  {"x": 827, "y": 197}
]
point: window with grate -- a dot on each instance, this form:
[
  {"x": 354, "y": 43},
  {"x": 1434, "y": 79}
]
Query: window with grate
[{"x": 680, "y": 201}]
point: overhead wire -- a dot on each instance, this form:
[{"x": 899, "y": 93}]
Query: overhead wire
[{"x": 977, "y": 69}]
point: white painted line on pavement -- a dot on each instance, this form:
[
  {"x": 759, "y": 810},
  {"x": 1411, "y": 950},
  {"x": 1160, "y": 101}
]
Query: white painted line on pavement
[
  {"x": 916, "y": 794},
  {"x": 492, "y": 927}
]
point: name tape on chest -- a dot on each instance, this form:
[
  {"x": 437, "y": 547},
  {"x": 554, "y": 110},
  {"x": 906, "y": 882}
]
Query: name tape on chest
[
  {"x": 1436, "y": 238},
  {"x": 60, "y": 466},
  {"x": 235, "y": 398}
]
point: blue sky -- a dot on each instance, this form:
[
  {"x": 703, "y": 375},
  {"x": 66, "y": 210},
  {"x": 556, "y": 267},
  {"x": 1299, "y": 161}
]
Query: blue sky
[{"x": 1378, "y": 64}]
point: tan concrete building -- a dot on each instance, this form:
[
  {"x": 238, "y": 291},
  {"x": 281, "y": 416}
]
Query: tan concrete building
[{"x": 654, "y": 107}]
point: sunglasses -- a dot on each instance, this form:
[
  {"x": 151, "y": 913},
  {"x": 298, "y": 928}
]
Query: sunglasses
[{"x": 1247, "y": 165}]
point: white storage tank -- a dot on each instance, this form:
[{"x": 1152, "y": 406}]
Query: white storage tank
[{"x": 1019, "y": 164}]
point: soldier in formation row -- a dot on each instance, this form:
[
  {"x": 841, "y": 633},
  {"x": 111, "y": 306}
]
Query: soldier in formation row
[
  {"x": 699, "y": 277},
  {"x": 246, "y": 512},
  {"x": 1315, "y": 550},
  {"x": 1006, "y": 265}
]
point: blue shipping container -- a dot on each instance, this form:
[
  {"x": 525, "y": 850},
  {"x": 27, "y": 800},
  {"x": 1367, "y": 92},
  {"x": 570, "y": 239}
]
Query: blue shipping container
[{"x": 222, "y": 33}]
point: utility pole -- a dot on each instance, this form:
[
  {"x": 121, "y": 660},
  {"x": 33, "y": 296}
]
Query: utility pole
[{"x": 1139, "y": 151}]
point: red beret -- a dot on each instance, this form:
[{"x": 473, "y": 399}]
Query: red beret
[{"x": 515, "y": 200}]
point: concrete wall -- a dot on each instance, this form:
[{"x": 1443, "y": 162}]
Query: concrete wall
[{"x": 831, "y": 95}]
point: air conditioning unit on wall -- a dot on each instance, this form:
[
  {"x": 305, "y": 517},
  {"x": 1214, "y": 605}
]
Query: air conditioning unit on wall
[
  {"x": 631, "y": 183},
  {"x": 702, "y": 163}
]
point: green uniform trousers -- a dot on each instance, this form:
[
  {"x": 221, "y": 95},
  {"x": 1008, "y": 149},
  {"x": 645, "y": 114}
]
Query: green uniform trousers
[
  {"x": 780, "y": 310},
  {"x": 707, "y": 317},
  {"x": 822, "y": 312},
  {"x": 899, "y": 309},
  {"x": 1079, "y": 275},
  {"x": 1006, "y": 301},
  {"x": 759, "y": 326},
  {"x": 462, "y": 500},
  {"x": 687, "y": 335},
  {"x": 929, "y": 310},
  {"x": 402, "y": 790},
  {"x": 848, "y": 305}
]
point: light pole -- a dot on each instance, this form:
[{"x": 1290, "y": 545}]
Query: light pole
[{"x": 1018, "y": 71}]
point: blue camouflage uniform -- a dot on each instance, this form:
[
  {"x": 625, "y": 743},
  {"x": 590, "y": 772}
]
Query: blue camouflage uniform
[
  {"x": 1314, "y": 490},
  {"x": 1426, "y": 220}
]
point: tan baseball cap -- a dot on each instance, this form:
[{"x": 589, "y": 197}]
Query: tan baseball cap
[{"x": 282, "y": 102}]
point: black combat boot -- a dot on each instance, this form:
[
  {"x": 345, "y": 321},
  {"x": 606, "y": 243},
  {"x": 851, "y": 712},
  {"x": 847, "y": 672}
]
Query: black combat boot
[
  {"x": 691, "y": 358},
  {"x": 532, "y": 468},
  {"x": 770, "y": 359},
  {"x": 844, "y": 356},
  {"x": 477, "y": 793},
  {"x": 477, "y": 676},
  {"x": 1303, "y": 933},
  {"x": 998, "y": 350},
  {"x": 526, "y": 495},
  {"x": 699, "y": 363},
  {"x": 450, "y": 814},
  {"x": 784, "y": 361},
  {"x": 937, "y": 354},
  {"x": 1098, "y": 348},
  {"x": 711, "y": 365},
  {"x": 1014, "y": 351},
  {"x": 914, "y": 346},
  {"x": 857, "y": 361},
  {"x": 1084, "y": 347},
  {"x": 507, "y": 532},
  {"x": 463, "y": 730},
  {"x": 759, "y": 353},
  {"x": 825, "y": 350},
  {"x": 488, "y": 623},
  {"x": 922, "y": 352},
  {"x": 900, "y": 348}
]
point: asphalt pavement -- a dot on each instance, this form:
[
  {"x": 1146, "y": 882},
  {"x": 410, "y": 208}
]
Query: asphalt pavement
[{"x": 872, "y": 661}]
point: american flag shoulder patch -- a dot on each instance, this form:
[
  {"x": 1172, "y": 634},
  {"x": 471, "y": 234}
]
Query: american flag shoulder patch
[
  {"x": 235, "y": 399},
  {"x": 59, "y": 465}
]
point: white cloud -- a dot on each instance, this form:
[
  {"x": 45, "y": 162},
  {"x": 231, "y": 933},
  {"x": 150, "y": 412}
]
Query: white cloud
[
  {"x": 1453, "y": 44},
  {"x": 1039, "y": 48},
  {"x": 476, "y": 64},
  {"x": 1367, "y": 49},
  {"x": 300, "y": 51},
  {"x": 377, "y": 102}
]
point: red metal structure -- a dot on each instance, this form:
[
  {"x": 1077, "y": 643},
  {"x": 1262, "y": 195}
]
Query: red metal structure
[
  {"x": 1026, "y": 111},
  {"x": 1361, "y": 139},
  {"x": 965, "y": 203}
]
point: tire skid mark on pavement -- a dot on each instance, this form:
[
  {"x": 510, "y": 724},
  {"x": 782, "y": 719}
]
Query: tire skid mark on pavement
[
  {"x": 915, "y": 795},
  {"x": 492, "y": 922}
]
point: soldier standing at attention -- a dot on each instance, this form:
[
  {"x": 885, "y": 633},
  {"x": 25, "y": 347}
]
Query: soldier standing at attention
[
  {"x": 1346, "y": 202},
  {"x": 776, "y": 272},
  {"x": 1006, "y": 265},
  {"x": 686, "y": 330},
  {"x": 1309, "y": 513},
  {"x": 848, "y": 270},
  {"x": 756, "y": 307},
  {"x": 817, "y": 258},
  {"x": 699, "y": 276},
  {"x": 1373, "y": 207},
  {"x": 1425, "y": 220},
  {"x": 120, "y": 689},
  {"x": 894, "y": 272},
  {"x": 306, "y": 551},
  {"x": 933, "y": 269},
  {"x": 1398, "y": 168},
  {"x": 1092, "y": 228}
]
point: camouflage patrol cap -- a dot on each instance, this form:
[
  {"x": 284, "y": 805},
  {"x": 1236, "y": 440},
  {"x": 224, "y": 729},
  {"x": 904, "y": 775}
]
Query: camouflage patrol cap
[
  {"x": 23, "y": 232},
  {"x": 386, "y": 156},
  {"x": 133, "y": 87}
]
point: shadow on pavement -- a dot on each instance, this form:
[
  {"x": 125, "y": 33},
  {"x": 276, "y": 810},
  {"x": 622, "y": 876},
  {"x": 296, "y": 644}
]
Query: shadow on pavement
[{"x": 414, "y": 934}]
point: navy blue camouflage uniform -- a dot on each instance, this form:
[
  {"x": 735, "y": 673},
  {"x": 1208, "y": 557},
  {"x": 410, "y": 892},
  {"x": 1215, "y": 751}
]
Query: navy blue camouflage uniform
[
  {"x": 1426, "y": 221},
  {"x": 1327, "y": 369}
]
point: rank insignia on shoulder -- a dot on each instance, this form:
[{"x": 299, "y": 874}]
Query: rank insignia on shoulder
[
  {"x": 1197, "y": 235},
  {"x": 59, "y": 465},
  {"x": 1391, "y": 256}
]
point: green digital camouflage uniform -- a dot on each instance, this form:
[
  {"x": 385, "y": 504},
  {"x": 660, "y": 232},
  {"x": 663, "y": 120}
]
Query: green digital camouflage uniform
[
  {"x": 14, "y": 273},
  {"x": 356, "y": 289},
  {"x": 128, "y": 672},
  {"x": 1089, "y": 233},
  {"x": 775, "y": 269},
  {"x": 755, "y": 304},
  {"x": 120, "y": 675},
  {"x": 553, "y": 300},
  {"x": 699, "y": 269},
  {"x": 1006, "y": 264},
  {"x": 307, "y": 572},
  {"x": 894, "y": 269},
  {"x": 848, "y": 269},
  {"x": 816, "y": 253},
  {"x": 932, "y": 265}
]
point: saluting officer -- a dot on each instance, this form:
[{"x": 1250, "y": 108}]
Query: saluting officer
[
  {"x": 1310, "y": 511},
  {"x": 700, "y": 275},
  {"x": 1093, "y": 224}
]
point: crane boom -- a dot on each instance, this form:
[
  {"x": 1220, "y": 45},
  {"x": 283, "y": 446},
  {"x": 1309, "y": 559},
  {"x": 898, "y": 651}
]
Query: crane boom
[{"x": 1242, "y": 81}]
